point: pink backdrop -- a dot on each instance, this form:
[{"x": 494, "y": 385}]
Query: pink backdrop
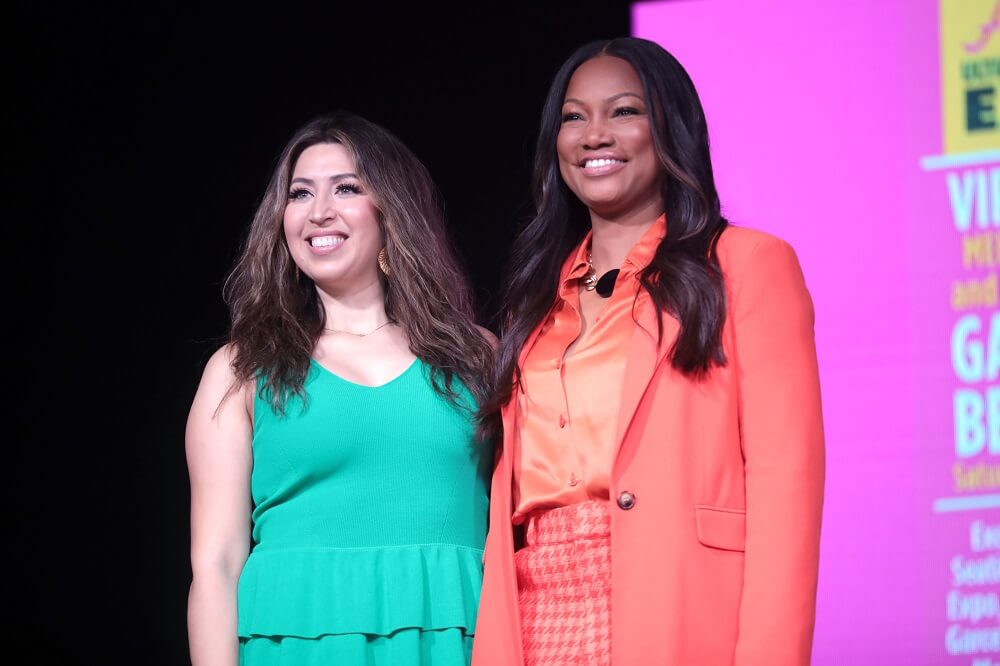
[{"x": 821, "y": 116}]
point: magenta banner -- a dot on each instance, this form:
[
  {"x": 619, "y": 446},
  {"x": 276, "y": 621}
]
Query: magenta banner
[{"x": 865, "y": 133}]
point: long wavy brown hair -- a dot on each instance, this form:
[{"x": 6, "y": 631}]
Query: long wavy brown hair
[{"x": 276, "y": 314}]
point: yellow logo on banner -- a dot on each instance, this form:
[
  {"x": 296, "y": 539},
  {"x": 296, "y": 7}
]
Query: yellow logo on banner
[{"x": 970, "y": 74}]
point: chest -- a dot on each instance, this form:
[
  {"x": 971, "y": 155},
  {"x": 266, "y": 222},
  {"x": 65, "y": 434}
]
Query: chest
[{"x": 372, "y": 360}]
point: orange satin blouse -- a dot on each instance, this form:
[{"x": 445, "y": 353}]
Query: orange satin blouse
[{"x": 568, "y": 403}]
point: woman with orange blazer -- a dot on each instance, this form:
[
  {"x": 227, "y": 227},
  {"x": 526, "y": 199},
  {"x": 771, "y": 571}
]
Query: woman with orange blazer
[{"x": 658, "y": 496}]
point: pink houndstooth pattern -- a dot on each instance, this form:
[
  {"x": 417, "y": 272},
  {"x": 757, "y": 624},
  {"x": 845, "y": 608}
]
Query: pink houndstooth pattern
[{"x": 564, "y": 584}]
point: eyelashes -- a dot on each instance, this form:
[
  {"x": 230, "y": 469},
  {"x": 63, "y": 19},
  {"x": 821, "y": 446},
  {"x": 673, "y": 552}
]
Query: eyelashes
[
  {"x": 341, "y": 189},
  {"x": 617, "y": 113}
]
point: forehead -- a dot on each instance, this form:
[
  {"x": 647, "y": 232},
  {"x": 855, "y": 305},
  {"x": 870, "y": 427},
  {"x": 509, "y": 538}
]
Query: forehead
[
  {"x": 602, "y": 77},
  {"x": 324, "y": 158}
]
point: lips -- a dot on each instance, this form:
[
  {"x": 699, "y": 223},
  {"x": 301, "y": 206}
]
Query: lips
[
  {"x": 601, "y": 165},
  {"x": 601, "y": 162},
  {"x": 325, "y": 243}
]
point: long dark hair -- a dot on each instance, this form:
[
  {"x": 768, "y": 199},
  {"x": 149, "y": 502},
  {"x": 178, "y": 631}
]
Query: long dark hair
[
  {"x": 276, "y": 315},
  {"x": 683, "y": 278}
]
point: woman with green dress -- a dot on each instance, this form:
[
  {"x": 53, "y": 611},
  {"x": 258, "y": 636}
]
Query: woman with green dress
[{"x": 338, "y": 484}]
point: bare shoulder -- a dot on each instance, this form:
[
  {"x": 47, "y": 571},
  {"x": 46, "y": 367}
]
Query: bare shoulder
[
  {"x": 219, "y": 381},
  {"x": 489, "y": 336},
  {"x": 220, "y": 363},
  {"x": 219, "y": 370}
]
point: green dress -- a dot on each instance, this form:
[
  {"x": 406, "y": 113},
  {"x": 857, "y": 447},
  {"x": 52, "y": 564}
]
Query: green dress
[{"x": 369, "y": 520}]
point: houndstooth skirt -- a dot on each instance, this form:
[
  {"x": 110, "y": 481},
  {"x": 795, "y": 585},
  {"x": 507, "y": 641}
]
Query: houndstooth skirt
[{"x": 564, "y": 586}]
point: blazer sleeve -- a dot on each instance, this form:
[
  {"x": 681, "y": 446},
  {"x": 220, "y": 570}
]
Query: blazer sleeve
[{"x": 782, "y": 440}]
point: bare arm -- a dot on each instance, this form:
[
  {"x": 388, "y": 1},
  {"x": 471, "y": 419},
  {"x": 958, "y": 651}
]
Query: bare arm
[{"x": 219, "y": 458}]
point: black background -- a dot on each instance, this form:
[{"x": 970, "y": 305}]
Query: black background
[{"x": 150, "y": 132}]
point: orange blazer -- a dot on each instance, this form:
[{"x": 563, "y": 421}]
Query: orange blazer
[{"x": 715, "y": 562}]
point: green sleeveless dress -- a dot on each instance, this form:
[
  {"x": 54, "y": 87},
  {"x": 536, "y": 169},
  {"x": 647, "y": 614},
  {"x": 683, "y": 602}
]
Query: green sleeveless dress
[{"x": 369, "y": 520}]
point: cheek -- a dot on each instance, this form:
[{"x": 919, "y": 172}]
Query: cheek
[
  {"x": 641, "y": 141},
  {"x": 564, "y": 145},
  {"x": 567, "y": 176},
  {"x": 293, "y": 224},
  {"x": 644, "y": 153},
  {"x": 364, "y": 217},
  {"x": 370, "y": 214},
  {"x": 290, "y": 224},
  {"x": 563, "y": 142}
]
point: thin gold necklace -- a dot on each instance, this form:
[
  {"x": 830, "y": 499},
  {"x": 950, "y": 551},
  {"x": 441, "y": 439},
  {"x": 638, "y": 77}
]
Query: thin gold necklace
[
  {"x": 605, "y": 284},
  {"x": 360, "y": 335},
  {"x": 590, "y": 279}
]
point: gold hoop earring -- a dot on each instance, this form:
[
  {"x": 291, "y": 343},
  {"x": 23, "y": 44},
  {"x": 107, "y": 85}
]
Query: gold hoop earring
[{"x": 382, "y": 262}]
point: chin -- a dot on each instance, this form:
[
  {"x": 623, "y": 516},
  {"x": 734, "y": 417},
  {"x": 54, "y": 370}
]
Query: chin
[{"x": 602, "y": 203}]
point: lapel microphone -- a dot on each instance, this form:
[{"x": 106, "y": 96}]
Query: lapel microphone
[{"x": 606, "y": 284}]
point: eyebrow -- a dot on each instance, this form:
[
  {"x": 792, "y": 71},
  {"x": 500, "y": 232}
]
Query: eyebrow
[
  {"x": 610, "y": 99},
  {"x": 333, "y": 179}
]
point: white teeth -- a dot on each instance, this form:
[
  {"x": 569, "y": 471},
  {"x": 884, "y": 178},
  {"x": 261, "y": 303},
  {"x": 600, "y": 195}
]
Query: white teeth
[
  {"x": 326, "y": 241},
  {"x": 592, "y": 164}
]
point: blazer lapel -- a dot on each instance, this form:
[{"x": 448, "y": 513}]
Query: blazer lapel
[{"x": 644, "y": 357}]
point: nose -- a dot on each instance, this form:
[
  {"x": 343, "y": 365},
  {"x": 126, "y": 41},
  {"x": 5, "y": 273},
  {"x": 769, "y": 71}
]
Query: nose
[
  {"x": 597, "y": 134},
  {"x": 323, "y": 211}
]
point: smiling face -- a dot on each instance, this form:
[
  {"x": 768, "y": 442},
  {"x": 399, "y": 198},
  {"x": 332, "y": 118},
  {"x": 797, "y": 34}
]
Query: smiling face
[
  {"x": 605, "y": 148},
  {"x": 331, "y": 223}
]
